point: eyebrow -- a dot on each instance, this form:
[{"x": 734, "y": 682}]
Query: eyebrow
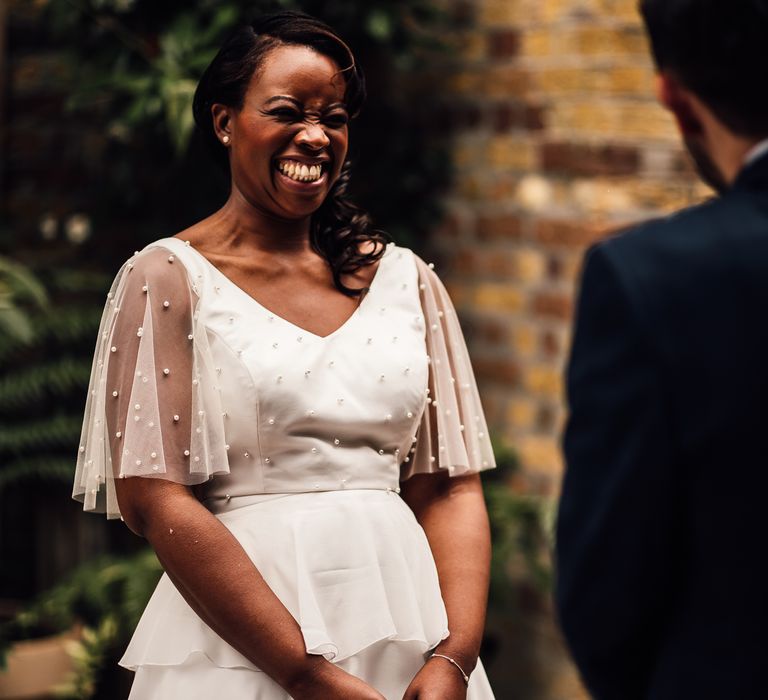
[{"x": 298, "y": 104}]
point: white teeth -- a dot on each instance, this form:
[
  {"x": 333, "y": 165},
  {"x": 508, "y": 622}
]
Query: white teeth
[{"x": 300, "y": 171}]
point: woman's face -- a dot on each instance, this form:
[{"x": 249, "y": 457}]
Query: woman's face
[{"x": 288, "y": 142}]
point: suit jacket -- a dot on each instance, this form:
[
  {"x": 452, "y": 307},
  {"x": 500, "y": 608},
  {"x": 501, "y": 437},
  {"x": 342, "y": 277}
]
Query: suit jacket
[{"x": 662, "y": 582}]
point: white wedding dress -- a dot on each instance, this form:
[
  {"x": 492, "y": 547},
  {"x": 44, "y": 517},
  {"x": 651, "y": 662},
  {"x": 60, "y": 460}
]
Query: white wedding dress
[{"x": 298, "y": 444}]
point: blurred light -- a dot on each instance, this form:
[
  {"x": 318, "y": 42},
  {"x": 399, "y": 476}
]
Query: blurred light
[
  {"x": 78, "y": 228},
  {"x": 49, "y": 227},
  {"x": 534, "y": 192}
]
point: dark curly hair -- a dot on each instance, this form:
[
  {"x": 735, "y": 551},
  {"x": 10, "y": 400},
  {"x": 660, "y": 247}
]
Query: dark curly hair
[{"x": 339, "y": 229}]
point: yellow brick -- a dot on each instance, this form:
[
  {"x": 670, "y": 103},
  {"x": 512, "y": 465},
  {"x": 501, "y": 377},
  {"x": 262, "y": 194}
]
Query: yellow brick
[
  {"x": 502, "y": 186},
  {"x": 470, "y": 185},
  {"x": 558, "y": 10},
  {"x": 633, "y": 40},
  {"x": 503, "y": 82},
  {"x": 521, "y": 414},
  {"x": 619, "y": 118},
  {"x": 544, "y": 380},
  {"x": 523, "y": 340},
  {"x": 467, "y": 81},
  {"x": 608, "y": 41},
  {"x": 498, "y": 297},
  {"x": 662, "y": 194},
  {"x": 460, "y": 294},
  {"x": 510, "y": 152},
  {"x": 637, "y": 80},
  {"x": 529, "y": 264},
  {"x": 472, "y": 46},
  {"x": 469, "y": 150},
  {"x": 632, "y": 80},
  {"x": 618, "y": 9},
  {"x": 571, "y": 266},
  {"x": 602, "y": 196},
  {"x": 568, "y": 80},
  {"x": 508, "y": 12},
  {"x": 538, "y": 42},
  {"x": 588, "y": 41},
  {"x": 539, "y": 455}
]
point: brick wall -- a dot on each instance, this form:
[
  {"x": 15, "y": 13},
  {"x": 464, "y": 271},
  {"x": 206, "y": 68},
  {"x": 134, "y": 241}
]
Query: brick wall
[{"x": 557, "y": 140}]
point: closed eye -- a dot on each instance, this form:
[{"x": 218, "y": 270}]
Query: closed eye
[
  {"x": 285, "y": 114},
  {"x": 337, "y": 120}
]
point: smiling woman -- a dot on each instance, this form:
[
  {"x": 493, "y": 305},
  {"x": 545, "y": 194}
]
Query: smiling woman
[
  {"x": 302, "y": 457},
  {"x": 288, "y": 141}
]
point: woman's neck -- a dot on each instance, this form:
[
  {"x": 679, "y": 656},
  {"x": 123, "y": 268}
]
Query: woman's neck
[{"x": 239, "y": 225}]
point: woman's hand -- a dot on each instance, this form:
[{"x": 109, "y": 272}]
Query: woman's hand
[
  {"x": 438, "y": 679},
  {"x": 325, "y": 681}
]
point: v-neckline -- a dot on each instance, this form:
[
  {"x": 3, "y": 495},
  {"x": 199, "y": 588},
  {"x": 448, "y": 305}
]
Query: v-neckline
[{"x": 273, "y": 314}]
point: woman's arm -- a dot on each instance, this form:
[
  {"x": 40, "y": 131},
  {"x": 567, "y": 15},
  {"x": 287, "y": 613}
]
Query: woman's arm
[
  {"x": 221, "y": 584},
  {"x": 453, "y": 514}
]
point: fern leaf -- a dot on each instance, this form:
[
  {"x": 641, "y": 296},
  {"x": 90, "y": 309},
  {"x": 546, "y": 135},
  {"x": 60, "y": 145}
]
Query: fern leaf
[
  {"x": 57, "y": 431},
  {"x": 44, "y": 468},
  {"x": 57, "y": 378}
]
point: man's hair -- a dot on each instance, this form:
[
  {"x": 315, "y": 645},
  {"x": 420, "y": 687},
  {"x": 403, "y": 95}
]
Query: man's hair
[{"x": 718, "y": 49}]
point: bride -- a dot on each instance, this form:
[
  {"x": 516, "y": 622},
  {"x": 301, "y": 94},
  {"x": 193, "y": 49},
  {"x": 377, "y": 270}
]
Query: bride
[{"x": 282, "y": 404}]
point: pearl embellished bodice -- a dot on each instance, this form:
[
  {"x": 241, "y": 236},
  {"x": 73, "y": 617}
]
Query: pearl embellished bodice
[
  {"x": 194, "y": 381},
  {"x": 309, "y": 413}
]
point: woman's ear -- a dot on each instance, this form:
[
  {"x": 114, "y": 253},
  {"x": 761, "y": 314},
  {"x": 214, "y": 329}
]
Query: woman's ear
[
  {"x": 222, "y": 122},
  {"x": 680, "y": 101}
]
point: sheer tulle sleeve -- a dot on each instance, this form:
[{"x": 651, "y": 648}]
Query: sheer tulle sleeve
[
  {"x": 453, "y": 434},
  {"x": 153, "y": 407}
]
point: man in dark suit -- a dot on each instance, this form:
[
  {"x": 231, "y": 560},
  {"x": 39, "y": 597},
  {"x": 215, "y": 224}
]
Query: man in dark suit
[{"x": 662, "y": 536}]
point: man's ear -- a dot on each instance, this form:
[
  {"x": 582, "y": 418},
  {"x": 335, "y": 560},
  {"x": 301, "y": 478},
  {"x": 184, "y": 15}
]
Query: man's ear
[
  {"x": 222, "y": 122},
  {"x": 680, "y": 101}
]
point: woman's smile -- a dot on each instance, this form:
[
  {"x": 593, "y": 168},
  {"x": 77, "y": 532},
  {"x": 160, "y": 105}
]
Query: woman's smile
[{"x": 302, "y": 175}]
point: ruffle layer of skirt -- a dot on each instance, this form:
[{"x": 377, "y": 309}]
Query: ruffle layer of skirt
[{"x": 353, "y": 567}]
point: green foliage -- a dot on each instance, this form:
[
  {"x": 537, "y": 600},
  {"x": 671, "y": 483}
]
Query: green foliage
[
  {"x": 43, "y": 379},
  {"x": 48, "y": 468},
  {"x": 134, "y": 68},
  {"x": 18, "y": 286},
  {"x": 43, "y": 382},
  {"x": 89, "y": 655},
  {"x": 46, "y": 379},
  {"x": 149, "y": 84},
  {"x": 106, "y": 596},
  {"x": 521, "y": 533}
]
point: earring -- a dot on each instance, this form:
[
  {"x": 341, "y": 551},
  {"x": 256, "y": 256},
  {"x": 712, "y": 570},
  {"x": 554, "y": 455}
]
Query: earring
[{"x": 225, "y": 139}]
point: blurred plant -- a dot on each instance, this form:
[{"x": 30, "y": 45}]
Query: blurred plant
[
  {"x": 105, "y": 598},
  {"x": 134, "y": 67},
  {"x": 18, "y": 286},
  {"x": 44, "y": 372},
  {"x": 521, "y": 532}
]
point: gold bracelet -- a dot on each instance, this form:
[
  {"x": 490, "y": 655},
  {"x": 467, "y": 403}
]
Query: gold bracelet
[{"x": 455, "y": 663}]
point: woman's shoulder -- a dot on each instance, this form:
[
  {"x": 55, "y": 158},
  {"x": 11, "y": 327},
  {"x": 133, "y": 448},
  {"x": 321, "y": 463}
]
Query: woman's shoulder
[
  {"x": 166, "y": 261},
  {"x": 426, "y": 270},
  {"x": 404, "y": 252}
]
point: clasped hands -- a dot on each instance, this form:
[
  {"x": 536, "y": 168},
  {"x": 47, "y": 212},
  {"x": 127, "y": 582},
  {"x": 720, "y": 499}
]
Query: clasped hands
[{"x": 434, "y": 681}]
